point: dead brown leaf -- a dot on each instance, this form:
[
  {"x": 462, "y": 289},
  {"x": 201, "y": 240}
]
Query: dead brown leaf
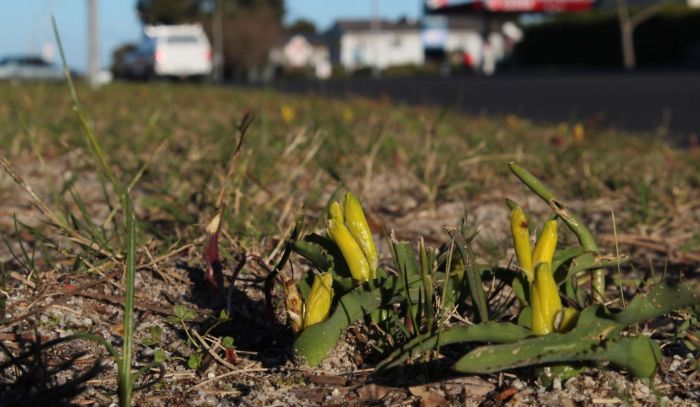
[{"x": 428, "y": 397}]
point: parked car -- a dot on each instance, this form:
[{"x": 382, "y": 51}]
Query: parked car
[
  {"x": 179, "y": 51},
  {"x": 20, "y": 68}
]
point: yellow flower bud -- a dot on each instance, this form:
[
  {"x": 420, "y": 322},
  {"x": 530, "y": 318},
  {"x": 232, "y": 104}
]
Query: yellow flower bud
[
  {"x": 579, "y": 133},
  {"x": 546, "y": 244},
  {"x": 544, "y": 299},
  {"x": 521, "y": 242},
  {"x": 538, "y": 323},
  {"x": 293, "y": 304},
  {"x": 287, "y": 113},
  {"x": 354, "y": 257},
  {"x": 318, "y": 303},
  {"x": 335, "y": 212},
  {"x": 357, "y": 224},
  {"x": 347, "y": 115},
  {"x": 566, "y": 319}
]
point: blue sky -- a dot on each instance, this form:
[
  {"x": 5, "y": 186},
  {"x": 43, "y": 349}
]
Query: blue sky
[{"x": 25, "y": 25}]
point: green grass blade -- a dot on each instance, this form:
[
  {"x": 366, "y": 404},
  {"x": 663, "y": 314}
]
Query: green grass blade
[
  {"x": 473, "y": 275},
  {"x": 125, "y": 378}
]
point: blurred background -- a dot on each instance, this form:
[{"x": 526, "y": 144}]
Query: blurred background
[{"x": 626, "y": 63}]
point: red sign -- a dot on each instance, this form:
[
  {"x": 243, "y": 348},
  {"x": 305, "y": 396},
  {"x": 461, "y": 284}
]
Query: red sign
[
  {"x": 536, "y": 5},
  {"x": 513, "y": 6}
]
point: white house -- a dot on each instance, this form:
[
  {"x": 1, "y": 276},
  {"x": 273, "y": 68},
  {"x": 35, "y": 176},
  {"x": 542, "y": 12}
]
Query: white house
[
  {"x": 301, "y": 51},
  {"x": 356, "y": 44}
]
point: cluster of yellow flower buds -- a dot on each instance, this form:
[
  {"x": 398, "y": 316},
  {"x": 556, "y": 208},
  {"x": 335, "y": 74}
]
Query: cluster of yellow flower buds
[
  {"x": 547, "y": 312},
  {"x": 348, "y": 228}
]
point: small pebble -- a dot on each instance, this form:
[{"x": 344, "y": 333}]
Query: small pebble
[
  {"x": 211, "y": 375},
  {"x": 519, "y": 384},
  {"x": 556, "y": 385},
  {"x": 335, "y": 393}
]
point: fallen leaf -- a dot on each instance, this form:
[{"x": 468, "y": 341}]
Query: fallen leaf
[
  {"x": 428, "y": 397},
  {"x": 329, "y": 380},
  {"x": 213, "y": 274},
  {"x": 506, "y": 394},
  {"x": 472, "y": 387},
  {"x": 373, "y": 392}
]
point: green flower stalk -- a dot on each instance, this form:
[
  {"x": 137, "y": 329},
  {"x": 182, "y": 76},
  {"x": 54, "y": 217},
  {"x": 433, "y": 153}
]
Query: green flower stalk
[
  {"x": 318, "y": 302},
  {"x": 348, "y": 228},
  {"x": 521, "y": 242}
]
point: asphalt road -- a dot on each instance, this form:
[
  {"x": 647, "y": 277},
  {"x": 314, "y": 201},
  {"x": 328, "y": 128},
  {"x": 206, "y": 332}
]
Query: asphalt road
[{"x": 643, "y": 101}]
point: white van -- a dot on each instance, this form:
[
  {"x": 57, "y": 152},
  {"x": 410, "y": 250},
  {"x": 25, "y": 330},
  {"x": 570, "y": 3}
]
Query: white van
[{"x": 171, "y": 51}]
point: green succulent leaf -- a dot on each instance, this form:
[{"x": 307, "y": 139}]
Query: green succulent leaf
[
  {"x": 495, "y": 332},
  {"x": 562, "y": 258},
  {"x": 638, "y": 355},
  {"x": 660, "y": 300}
]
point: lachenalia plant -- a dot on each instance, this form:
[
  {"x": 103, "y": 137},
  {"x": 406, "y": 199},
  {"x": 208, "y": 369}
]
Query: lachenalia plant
[
  {"x": 346, "y": 263},
  {"x": 559, "y": 324}
]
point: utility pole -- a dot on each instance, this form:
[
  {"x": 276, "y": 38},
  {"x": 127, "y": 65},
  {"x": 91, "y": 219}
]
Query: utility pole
[
  {"x": 376, "y": 27},
  {"x": 218, "y": 40},
  {"x": 93, "y": 43}
]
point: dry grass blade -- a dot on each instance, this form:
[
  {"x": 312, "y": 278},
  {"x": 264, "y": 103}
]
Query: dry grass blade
[
  {"x": 211, "y": 351},
  {"x": 242, "y": 128},
  {"x": 227, "y": 374}
]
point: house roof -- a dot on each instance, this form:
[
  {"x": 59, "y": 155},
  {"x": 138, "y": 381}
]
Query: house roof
[
  {"x": 313, "y": 40},
  {"x": 453, "y": 23},
  {"x": 384, "y": 25}
]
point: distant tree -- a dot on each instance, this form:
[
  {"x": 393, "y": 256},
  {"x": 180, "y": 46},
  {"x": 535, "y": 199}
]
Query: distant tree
[
  {"x": 250, "y": 28},
  {"x": 276, "y": 6},
  {"x": 168, "y": 11},
  {"x": 301, "y": 26},
  {"x": 629, "y": 22}
]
